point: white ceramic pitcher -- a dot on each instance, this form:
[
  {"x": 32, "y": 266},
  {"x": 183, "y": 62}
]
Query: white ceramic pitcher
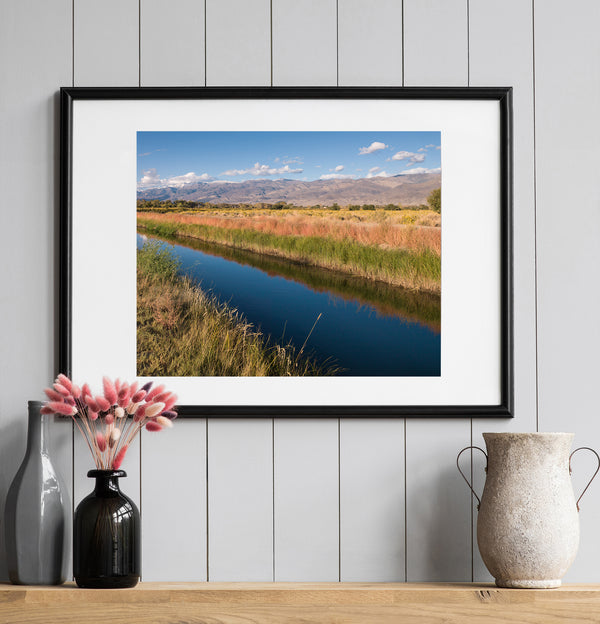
[{"x": 528, "y": 523}]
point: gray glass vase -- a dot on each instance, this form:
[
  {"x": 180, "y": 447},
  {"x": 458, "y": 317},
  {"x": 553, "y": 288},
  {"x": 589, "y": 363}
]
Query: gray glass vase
[{"x": 36, "y": 517}]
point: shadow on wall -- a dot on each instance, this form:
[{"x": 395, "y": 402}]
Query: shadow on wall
[{"x": 448, "y": 536}]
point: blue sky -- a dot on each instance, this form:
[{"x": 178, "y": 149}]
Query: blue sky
[{"x": 178, "y": 158}]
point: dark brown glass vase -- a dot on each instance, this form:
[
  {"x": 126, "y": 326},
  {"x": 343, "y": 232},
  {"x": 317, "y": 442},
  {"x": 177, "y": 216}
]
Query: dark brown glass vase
[{"x": 106, "y": 535}]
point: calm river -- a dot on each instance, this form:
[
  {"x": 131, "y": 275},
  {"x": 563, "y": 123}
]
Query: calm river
[{"x": 366, "y": 328}]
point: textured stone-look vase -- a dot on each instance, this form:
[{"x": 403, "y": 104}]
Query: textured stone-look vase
[{"x": 528, "y": 523}]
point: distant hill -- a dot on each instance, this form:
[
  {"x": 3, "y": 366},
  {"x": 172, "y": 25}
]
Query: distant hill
[{"x": 401, "y": 189}]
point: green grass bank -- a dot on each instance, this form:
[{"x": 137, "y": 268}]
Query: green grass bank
[
  {"x": 181, "y": 331},
  {"x": 418, "y": 270}
]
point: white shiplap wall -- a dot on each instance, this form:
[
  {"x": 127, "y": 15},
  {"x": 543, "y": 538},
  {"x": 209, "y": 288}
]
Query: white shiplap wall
[{"x": 330, "y": 499}]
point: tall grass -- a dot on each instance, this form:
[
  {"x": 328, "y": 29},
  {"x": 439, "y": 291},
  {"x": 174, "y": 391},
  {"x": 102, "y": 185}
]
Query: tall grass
[
  {"x": 182, "y": 331},
  {"x": 387, "y": 300},
  {"x": 416, "y": 269},
  {"x": 381, "y": 231}
]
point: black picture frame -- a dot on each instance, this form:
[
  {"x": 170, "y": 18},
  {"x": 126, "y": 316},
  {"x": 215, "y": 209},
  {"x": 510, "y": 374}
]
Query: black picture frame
[{"x": 502, "y": 96}]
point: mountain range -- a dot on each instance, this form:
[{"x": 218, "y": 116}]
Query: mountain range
[{"x": 407, "y": 190}]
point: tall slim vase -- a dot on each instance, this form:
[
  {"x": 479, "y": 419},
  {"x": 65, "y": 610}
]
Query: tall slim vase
[{"x": 37, "y": 513}]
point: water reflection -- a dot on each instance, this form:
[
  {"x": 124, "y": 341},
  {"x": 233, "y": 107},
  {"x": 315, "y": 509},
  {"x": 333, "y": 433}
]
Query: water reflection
[{"x": 365, "y": 328}]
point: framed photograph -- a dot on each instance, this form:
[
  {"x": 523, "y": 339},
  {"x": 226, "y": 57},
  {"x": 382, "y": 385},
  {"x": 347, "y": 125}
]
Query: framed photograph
[{"x": 291, "y": 251}]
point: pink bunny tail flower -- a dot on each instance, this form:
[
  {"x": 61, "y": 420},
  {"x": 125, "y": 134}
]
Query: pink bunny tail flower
[
  {"x": 110, "y": 392},
  {"x": 118, "y": 385},
  {"x": 119, "y": 412},
  {"x": 85, "y": 391},
  {"x": 124, "y": 396},
  {"x": 101, "y": 442},
  {"x": 65, "y": 381},
  {"x": 53, "y": 395},
  {"x": 75, "y": 391},
  {"x": 138, "y": 396},
  {"x": 170, "y": 414},
  {"x": 132, "y": 408},
  {"x": 92, "y": 404},
  {"x": 109, "y": 419},
  {"x": 156, "y": 391},
  {"x": 120, "y": 456},
  {"x": 62, "y": 408},
  {"x": 163, "y": 421},
  {"x": 61, "y": 389},
  {"x": 170, "y": 402},
  {"x": 154, "y": 410},
  {"x": 162, "y": 396},
  {"x": 133, "y": 388},
  {"x": 46, "y": 410},
  {"x": 70, "y": 400},
  {"x": 102, "y": 403},
  {"x": 153, "y": 426},
  {"x": 92, "y": 415},
  {"x": 140, "y": 413}
]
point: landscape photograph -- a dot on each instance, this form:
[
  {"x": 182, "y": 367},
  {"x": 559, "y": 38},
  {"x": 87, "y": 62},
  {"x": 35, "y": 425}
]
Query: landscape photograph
[{"x": 289, "y": 253}]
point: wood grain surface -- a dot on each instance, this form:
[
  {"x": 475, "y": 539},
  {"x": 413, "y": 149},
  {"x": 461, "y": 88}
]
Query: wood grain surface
[{"x": 281, "y": 603}]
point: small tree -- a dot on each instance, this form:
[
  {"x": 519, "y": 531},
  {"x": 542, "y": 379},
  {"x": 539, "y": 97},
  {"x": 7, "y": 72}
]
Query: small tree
[{"x": 435, "y": 200}]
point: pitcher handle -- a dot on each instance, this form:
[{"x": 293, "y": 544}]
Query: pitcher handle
[
  {"x": 584, "y": 448},
  {"x": 462, "y": 474}
]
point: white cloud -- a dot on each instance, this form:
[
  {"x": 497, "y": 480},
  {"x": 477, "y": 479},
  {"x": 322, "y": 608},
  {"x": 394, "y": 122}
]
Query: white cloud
[
  {"x": 438, "y": 147},
  {"x": 422, "y": 149},
  {"x": 430, "y": 145},
  {"x": 151, "y": 179},
  {"x": 292, "y": 161},
  {"x": 261, "y": 170},
  {"x": 374, "y": 169},
  {"x": 338, "y": 168},
  {"x": 381, "y": 174},
  {"x": 375, "y": 146},
  {"x": 188, "y": 178},
  {"x": 336, "y": 176},
  {"x": 412, "y": 157},
  {"x": 417, "y": 170}
]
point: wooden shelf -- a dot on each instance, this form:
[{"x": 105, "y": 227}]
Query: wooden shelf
[{"x": 284, "y": 603}]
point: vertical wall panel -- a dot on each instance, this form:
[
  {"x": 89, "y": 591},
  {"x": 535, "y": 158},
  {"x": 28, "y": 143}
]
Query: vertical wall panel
[
  {"x": 106, "y": 43},
  {"x": 372, "y": 500},
  {"x": 240, "y": 499},
  {"x": 567, "y": 95},
  {"x": 304, "y": 42},
  {"x": 370, "y": 42},
  {"x": 306, "y": 499},
  {"x": 438, "y": 503},
  {"x": 435, "y": 42},
  {"x": 35, "y": 60},
  {"x": 488, "y": 24},
  {"x": 306, "y": 467},
  {"x": 238, "y": 42},
  {"x": 438, "y": 525},
  {"x": 372, "y": 529},
  {"x": 106, "y": 53},
  {"x": 173, "y": 488},
  {"x": 172, "y": 43},
  {"x": 174, "y": 503},
  {"x": 240, "y": 451}
]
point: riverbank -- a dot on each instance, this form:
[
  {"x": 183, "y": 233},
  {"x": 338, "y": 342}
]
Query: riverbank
[
  {"x": 417, "y": 269},
  {"x": 181, "y": 331}
]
